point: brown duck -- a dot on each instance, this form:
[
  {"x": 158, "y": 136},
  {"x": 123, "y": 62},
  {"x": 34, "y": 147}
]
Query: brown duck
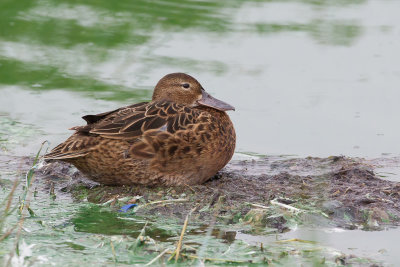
[{"x": 182, "y": 137}]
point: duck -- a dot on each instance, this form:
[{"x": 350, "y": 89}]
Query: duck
[{"x": 183, "y": 136}]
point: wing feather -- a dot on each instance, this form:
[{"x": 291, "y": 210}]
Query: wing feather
[
  {"x": 148, "y": 125},
  {"x": 134, "y": 122}
]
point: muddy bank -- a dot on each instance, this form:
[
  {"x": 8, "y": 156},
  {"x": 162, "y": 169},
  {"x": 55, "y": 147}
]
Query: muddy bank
[{"x": 267, "y": 192}]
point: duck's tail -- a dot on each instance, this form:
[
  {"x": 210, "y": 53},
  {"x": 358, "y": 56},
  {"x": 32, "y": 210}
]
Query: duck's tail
[{"x": 73, "y": 147}]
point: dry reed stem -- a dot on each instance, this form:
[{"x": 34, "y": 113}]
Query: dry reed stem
[
  {"x": 113, "y": 251},
  {"x": 285, "y": 206},
  {"x": 6, "y": 234},
  {"x": 179, "y": 246},
  {"x": 8, "y": 205},
  {"x": 16, "y": 181},
  {"x": 259, "y": 206}
]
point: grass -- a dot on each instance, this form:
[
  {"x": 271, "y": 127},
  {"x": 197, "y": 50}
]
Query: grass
[
  {"x": 24, "y": 203},
  {"x": 22, "y": 208}
]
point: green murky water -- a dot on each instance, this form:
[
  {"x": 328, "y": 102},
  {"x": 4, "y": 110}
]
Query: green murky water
[{"x": 307, "y": 77}]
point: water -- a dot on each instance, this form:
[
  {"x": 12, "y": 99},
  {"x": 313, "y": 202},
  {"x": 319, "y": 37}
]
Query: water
[
  {"x": 307, "y": 77},
  {"x": 372, "y": 245}
]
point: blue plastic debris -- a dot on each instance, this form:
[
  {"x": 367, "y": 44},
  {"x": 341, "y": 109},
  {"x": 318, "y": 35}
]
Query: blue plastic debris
[{"x": 127, "y": 207}]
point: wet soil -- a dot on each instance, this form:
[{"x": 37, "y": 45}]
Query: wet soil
[{"x": 335, "y": 191}]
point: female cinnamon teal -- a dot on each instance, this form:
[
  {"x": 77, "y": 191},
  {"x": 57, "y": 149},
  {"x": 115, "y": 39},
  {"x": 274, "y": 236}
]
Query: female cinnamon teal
[{"x": 183, "y": 136}]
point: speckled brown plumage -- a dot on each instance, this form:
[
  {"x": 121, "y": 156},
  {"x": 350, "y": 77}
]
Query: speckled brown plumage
[{"x": 183, "y": 136}]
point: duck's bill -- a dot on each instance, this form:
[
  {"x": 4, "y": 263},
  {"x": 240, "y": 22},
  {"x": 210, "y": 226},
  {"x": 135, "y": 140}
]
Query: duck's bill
[{"x": 212, "y": 102}]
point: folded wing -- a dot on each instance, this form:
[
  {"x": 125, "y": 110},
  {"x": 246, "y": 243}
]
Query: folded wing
[{"x": 146, "y": 125}]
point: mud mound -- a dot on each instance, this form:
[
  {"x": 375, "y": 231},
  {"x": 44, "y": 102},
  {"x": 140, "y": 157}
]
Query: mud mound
[{"x": 337, "y": 191}]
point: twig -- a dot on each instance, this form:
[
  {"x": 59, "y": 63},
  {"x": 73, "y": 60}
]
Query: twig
[
  {"x": 347, "y": 189},
  {"x": 6, "y": 234},
  {"x": 259, "y": 206},
  {"x": 179, "y": 245},
  {"x": 288, "y": 207},
  {"x": 156, "y": 258},
  {"x": 191, "y": 189}
]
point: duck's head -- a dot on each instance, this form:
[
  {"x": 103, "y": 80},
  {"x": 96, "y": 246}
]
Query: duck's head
[{"x": 186, "y": 90}]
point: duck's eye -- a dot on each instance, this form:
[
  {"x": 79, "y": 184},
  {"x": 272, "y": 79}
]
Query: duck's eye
[{"x": 186, "y": 85}]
